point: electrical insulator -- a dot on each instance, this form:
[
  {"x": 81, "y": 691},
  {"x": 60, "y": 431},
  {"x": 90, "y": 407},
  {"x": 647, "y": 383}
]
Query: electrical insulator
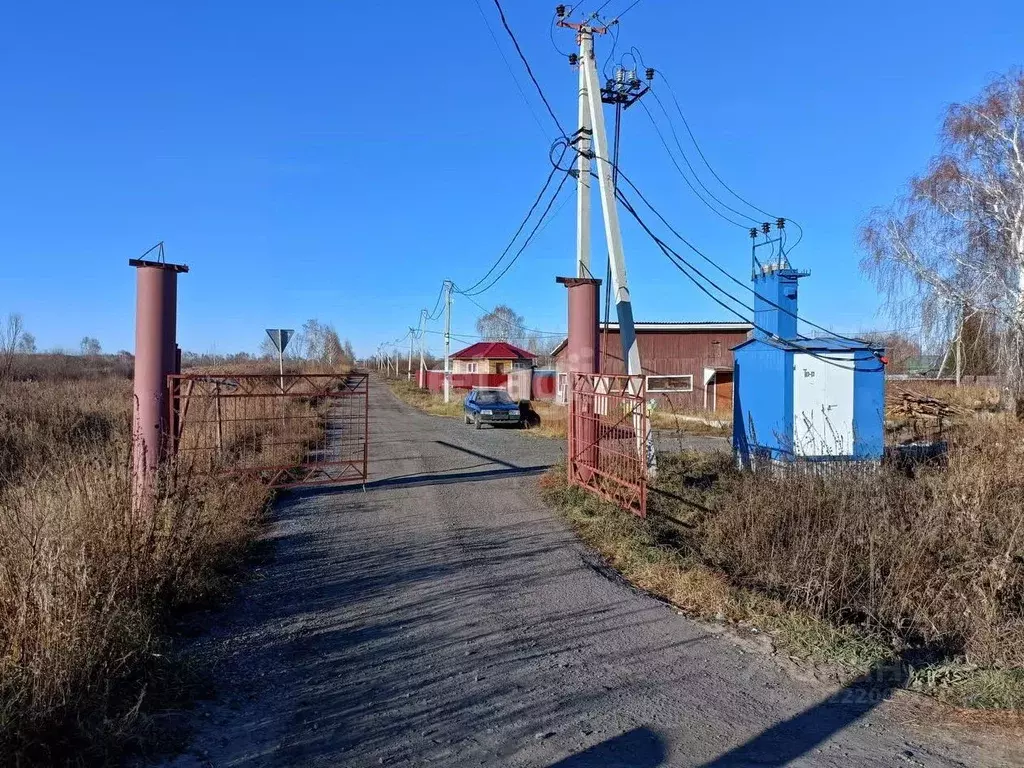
[
  {"x": 620, "y": 76},
  {"x": 574, "y": 59},
  {"x": 753, "y": 233},
  {"x": 649, "y": 73},
  {"x": 780, "y": 223},
  {"x": 610, "y": 85},
  {"x": 560, "y": 10},
  {"x": 766, "y": 227}
]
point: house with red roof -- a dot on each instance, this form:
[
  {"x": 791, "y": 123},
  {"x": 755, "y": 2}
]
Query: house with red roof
[{"x": 492, "y": 357}]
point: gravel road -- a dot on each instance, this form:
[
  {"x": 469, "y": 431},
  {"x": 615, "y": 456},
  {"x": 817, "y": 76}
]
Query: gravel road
[{"x": 444, "y": 616}]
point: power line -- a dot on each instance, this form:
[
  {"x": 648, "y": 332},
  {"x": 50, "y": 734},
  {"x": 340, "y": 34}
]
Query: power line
[
  {"x": 685, "y": 178},
  {"x": 631, "y": 7},
  {"x": 508, "y": 66},
  {"x": 508, "y": 323},
  {"x": 724, "y": 271},
  {"x": 686, "y": 159},
  {"x": 435, "y": 312},
  {"x": 522, "y": 224},
  {"x": 529, "y": 69},
  {"x": 529, "y": 238},
  {"x": 703, "y": 157},
  {"x": 683, "y": 265}
]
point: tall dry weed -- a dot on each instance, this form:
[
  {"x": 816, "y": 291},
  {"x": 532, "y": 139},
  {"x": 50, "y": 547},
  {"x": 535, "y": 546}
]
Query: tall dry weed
[{"x": 936, "y": 559}]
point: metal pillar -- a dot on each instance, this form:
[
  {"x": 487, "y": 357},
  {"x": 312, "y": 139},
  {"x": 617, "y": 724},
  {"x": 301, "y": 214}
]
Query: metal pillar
[
  {"x": 582, "y": 354},
  {"x": 582, "y": 349},
  {"x": 155, "y": 359}
]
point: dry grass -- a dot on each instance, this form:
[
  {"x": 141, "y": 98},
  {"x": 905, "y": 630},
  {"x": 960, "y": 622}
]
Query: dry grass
[
  {"x": 852, "y": 565},
  {"x": 86, "y": 582}
]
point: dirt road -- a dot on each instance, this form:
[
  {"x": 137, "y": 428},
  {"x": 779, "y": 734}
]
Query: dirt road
[{"x": 444, "y": 616}]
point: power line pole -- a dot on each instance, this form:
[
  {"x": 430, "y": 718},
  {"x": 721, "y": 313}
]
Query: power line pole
[
  {"x": 423, "y": 366},
  {"x": 447, "y": 340},
  {"x": 582, "y": 142},
  {"x": 613, "y": 233},
  {"x": 412, "y": 340}
]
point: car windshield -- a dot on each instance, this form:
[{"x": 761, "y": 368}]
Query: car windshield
[{"x": 493, "y": 397}]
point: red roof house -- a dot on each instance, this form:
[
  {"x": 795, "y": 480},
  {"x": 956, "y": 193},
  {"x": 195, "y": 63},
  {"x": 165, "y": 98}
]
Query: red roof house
[{"x": 491, "y": 357}]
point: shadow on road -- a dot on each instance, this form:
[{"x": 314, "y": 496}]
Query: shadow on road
[
  {"x": 638, "y": 748},
  {"x": 789, "y": 739}
]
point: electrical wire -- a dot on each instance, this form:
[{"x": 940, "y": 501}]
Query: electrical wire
[
  {"x": 685, "y": 178},
  {"x": 686, "y": 159},
  {"x": 522, "y": 224},
  {"x": 508, "y": 66},
  {"x": 703, "y": 157},
  {"x": 529, "y": 69},
  {"x": 551, "y": 33},
  {"x": 436, "y": 311},
  {"x": 724, "y": 271},
  {"x": 631, "y": 7},
  {"x": 686, "y": 267},
  {"x": 529, "y": 238},
  {"x": 508, "y": 323}
]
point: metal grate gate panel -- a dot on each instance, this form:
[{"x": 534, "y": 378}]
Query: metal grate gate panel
[
  {"x": 293, "y": 430},
  {"x": 607, "y": 438}
]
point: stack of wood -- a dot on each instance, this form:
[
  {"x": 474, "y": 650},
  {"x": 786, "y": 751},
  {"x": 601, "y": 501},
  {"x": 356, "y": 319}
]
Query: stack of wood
[{"x": 915, "y": 406}]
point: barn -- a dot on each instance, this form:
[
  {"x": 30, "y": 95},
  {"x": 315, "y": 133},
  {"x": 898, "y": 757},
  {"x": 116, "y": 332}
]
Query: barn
[{"x": 688, "y": 364}]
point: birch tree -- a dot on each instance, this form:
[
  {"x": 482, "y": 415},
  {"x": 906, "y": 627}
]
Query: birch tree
[{"x": 955, "y": 239}]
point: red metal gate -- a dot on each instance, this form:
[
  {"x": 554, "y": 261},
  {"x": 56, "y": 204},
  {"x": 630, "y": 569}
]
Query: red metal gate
[
  {"x": 608, "y": 428},
  {"x": 293, "y": 430}
]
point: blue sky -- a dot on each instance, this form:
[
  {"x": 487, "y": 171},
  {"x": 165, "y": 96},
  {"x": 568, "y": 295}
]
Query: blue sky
[{"x": 336, "y": 160}]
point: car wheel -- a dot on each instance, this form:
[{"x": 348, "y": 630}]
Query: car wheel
[
  {"x": 476, "y": 421},
  {"x": 465, "y": 418}
]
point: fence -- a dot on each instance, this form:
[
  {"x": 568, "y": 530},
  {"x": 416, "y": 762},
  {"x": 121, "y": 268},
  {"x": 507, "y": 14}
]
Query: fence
[
  {"x": 291, "y": 430},
  {"x": 434, "y": 380},
  {"x": 608, "y": 428}
]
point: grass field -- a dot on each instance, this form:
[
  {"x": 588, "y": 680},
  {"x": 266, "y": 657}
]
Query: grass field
[
  {"x": 87, "y": 582},
  {"x": 853, "y": 565}
]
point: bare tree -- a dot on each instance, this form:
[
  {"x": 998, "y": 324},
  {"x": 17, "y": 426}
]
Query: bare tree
[
  {"x": 956, "y": 238},
  {"x": 900, "y": 348},
  {"x": 90, "y": 346},
  {"x": 501, "y": 324},
  {"x": 26, "y": 344},
  {"x": 11, "y": 334}
]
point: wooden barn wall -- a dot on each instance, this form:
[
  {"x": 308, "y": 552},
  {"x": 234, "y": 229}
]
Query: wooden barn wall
[{"x": 672, "y": 353}]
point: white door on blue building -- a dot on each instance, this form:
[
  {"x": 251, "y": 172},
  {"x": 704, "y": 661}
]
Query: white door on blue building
[{"x": 823, "y": 404}]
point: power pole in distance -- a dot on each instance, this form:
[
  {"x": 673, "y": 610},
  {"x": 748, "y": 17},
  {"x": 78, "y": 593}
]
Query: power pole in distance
[
  {"x": 423, "y": 321},
  {"x": 447, "y": 340},
  {"x": 412, "y": 340}
]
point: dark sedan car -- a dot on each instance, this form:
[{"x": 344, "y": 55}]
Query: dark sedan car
[{"x": 491, "y": 406}]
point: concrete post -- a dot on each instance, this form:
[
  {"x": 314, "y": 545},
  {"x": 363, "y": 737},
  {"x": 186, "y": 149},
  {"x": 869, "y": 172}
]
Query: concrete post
[
  {"x": 582, "y": 356},
  {"x": 156, "y": 357}
]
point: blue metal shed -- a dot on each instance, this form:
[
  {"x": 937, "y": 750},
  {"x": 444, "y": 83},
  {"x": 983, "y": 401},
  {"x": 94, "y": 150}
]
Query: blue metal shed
[{"x": 800, "y": 398}]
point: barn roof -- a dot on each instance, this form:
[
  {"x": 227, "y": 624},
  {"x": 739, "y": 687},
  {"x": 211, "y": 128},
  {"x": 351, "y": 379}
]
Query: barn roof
[
  {"x": 493, "y": 350},
  {"x": 697, "y": 326}
]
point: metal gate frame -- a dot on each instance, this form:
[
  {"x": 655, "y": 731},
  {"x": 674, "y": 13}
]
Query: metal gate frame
[
  {"x": 608, "y": 428},
  {"x": 224, "y": 416}
]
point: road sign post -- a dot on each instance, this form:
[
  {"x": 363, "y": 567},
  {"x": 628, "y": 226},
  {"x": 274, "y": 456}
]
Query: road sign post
[{"x": 280, "y": 337}]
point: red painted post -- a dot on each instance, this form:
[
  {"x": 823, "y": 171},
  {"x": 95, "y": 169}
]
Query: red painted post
[
  {"x": 582, "y": 356},
  {"x": 155, "y": 359}
]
